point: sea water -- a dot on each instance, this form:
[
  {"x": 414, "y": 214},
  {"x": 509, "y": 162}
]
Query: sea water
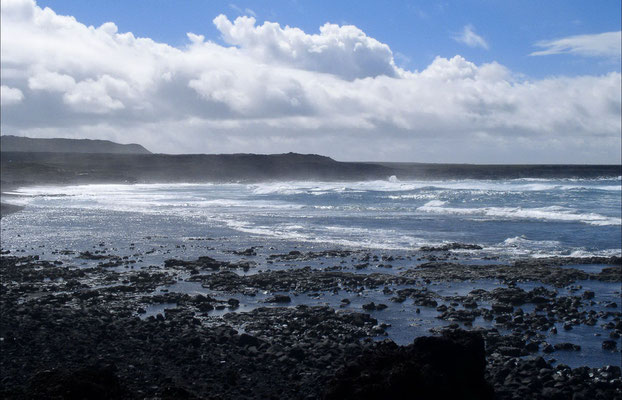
[
  {"x": 509, "y": 219},
  {"x": 521, "y": 217}
]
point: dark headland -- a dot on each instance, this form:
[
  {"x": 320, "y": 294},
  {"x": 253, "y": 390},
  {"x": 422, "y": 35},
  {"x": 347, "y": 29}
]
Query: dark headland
[{"x": 54, "y": 145}]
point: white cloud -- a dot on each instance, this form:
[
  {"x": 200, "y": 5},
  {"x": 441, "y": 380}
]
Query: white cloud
[
  {"x": 51, "y": 81},
  {"x": 95, "y": 96},
  {"x": 597, "y": 45},
  {"x": 10, "y": 96},
  {"x": 470, "y": 38},
  {"x": 344, "y": 51},
  {"x": 275, "y": 89}
]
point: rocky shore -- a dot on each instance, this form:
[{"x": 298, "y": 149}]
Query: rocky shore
[{"x": 108, "y": 330}]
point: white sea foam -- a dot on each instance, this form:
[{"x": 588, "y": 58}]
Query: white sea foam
[
  {"x": 394, "y": 185},
  {"x": 414, "y": 196},
  {"x": 150, "y": 198},
  {"x": 552, "y": 213},
  {"x": 318, "y": 188},
  {"x": 518, "y": 241},
  {"x": 286, "y": 210},
  {"x": 353, "y": 237},
  {"x": 524, "y": 247},
  {"x": 582, "y": 253},
  {"x": 434, "y": 204}
]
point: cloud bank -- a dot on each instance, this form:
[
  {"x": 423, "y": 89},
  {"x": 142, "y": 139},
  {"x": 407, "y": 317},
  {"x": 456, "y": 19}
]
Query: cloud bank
[{"x": 276, "y": 89}]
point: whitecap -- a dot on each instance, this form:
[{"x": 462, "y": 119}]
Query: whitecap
[{"x": 552, "y": 213}]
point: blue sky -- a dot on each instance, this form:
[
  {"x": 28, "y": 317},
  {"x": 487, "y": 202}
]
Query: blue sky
[
  {"x": 472, "y": 81},
  {"x": 416, "y": 31}
]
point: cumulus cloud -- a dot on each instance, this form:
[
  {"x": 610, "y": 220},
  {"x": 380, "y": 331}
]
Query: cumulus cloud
[
  {"x": 278, "y": 89},
  {"x": 597, "y": 45},
  {"x": 470, "y": 38},
  {"x": 9, "y": 95},
  {"x": 345, "y": 51},
  {"x": 51, "y": 81}
]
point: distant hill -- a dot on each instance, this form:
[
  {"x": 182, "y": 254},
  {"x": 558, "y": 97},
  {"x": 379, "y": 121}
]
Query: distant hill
[
  {"x": 24, "y": 144},
  {"x": 21, "y": 168},
  {"x": 25, "y": 168}
]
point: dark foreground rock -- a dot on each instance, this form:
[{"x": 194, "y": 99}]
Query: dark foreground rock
[
  {"x": 50, "y": 352},
  {"x": 448, "y": 367},
  {"x": 90, "y": 382}
]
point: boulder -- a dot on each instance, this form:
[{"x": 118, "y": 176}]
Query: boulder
[{"x": 451, "y": 366}]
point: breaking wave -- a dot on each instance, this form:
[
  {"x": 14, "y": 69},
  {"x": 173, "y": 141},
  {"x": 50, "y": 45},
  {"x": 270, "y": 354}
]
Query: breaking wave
[{"x": 552, "y": 213}]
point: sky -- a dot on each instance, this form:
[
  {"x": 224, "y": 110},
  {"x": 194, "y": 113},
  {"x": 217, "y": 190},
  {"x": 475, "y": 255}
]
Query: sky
[{"x": 476, "y": 81}]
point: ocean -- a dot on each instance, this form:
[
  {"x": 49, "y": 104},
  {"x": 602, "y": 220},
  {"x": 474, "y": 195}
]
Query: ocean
[
  {"x": 506, "y": 218},
  {"x": 520, "y": 217}
]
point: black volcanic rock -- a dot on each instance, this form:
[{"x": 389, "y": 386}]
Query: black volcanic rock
[
  {"x": 279, "y": 298},
  {"x": 26, "y": 144},
  {"x": 452, "y": 246},
  {"x": 91, "y": 382},
  {"x": 94, "y": 341},
  {"x": 448, "y": 367}
]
